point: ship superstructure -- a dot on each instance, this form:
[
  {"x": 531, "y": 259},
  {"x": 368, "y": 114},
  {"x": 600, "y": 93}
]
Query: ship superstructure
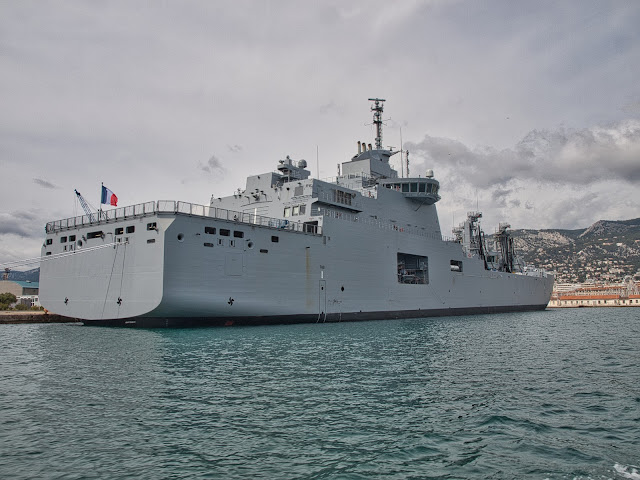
[{"x": 288, "y": 248}]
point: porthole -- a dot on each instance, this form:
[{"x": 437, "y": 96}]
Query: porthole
[
  {"x": 250, "y": 244},
  {"x": 181, "y": 237}
]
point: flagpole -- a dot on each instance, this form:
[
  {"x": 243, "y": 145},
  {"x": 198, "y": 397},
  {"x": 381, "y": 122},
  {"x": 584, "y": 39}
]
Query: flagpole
[{"x": 100, "y": 202}]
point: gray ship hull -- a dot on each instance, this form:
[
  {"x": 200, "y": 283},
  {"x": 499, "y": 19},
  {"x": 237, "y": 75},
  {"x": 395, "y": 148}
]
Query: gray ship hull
[
  {"x": 185, "y": 322},
  {"x": 177, "y": 275}
]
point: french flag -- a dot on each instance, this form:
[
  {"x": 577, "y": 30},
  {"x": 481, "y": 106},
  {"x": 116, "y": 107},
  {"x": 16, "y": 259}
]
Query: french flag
[{"x": 108, "y": 197}]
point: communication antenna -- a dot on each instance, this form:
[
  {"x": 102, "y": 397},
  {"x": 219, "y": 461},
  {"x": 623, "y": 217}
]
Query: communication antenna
[
  {"x": 377, "y": 110},
  {"x": 401, "y": 154}
]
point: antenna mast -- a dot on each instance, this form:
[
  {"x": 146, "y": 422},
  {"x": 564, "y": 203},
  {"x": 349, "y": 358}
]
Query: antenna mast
[{"x": 377, "y": 109}]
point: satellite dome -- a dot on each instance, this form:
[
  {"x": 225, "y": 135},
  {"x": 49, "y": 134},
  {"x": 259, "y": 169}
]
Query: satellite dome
[
  {"x": 302, "y": 164},
  {"x": 429, "y": 173}
]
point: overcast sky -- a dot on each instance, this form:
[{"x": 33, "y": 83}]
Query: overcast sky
[{"x": 529, "y": 110}]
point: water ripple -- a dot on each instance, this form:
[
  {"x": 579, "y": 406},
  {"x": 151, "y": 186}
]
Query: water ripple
[{"x": 534, "y": 395}]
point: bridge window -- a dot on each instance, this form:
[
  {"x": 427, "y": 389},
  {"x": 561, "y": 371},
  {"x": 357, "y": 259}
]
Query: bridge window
[
  {"x": 287, "y": 212},
  {"x": 405, "y": 187},
  {"x": 131, "y": 229},
  {"x": 414, "y": 187},
  {"x": 63, "y": 239},
  {"x": 210, "y": 230},
  {"x": 296, "y": 210},
  {"x": 98, "y": 234},
  {"x": 119, "y": 231},
  {"x": 422, "y": 187},
  {"x": 224, "y": 232},
  {"x": 238, "y": 234},
  {"x": 342, "y": 197},
  {"x": 72, "y": 238}
]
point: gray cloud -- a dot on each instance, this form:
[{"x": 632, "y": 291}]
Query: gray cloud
[
  {"x": 331, "y": 107},
  {"x": 212, "y": 165},
  {"x": 44, "y": 183},
  {"x": 234, "y": 148},
  {"x": 500, "y": 193},
  {"x": 562, "y": 156},
  {"x": 24, "y": 224}
]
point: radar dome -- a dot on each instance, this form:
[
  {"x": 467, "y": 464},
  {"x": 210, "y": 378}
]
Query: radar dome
[
  {"x": 302, "y": 164},
  {"x": 429, "y": 173}
]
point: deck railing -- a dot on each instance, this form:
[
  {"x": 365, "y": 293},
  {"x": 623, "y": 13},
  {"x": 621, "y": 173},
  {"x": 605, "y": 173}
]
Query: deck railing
[{"x": 181, "y": 208}]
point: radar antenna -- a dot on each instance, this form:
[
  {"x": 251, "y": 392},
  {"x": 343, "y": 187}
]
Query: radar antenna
[{"x": 377, "y": 109}]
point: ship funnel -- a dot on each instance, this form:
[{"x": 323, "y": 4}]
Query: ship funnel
[
  {"x": 370, "y": 147},
  {"x": 359, "y": 147}
]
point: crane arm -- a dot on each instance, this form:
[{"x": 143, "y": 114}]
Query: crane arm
[{"x": 85, "y": 206}]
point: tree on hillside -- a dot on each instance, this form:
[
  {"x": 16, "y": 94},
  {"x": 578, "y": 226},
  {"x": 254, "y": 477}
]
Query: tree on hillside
[{"x": 8, "y": 298}]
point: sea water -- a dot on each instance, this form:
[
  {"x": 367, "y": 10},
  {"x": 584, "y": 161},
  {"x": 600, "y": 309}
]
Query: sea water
[{"x": 544, "y": 395}]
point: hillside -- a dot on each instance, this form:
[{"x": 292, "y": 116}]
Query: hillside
[
  {"x": 29, "y": 275},
  {"x": 606, "y": 251}
]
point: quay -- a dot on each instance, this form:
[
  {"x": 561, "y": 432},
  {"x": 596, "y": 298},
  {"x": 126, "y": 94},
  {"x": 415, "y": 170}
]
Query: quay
[{"x": 33, "y": 317}]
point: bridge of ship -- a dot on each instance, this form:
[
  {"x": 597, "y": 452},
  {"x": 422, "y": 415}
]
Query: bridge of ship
[{"x": 424, "y": 190}]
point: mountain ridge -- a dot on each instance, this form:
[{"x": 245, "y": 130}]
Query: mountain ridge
[{"x": 607, "y": 250}]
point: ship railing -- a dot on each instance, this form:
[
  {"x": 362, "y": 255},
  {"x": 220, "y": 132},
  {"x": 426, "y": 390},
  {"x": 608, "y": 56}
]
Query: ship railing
[
  {"x": 182, "y": 208},
  {"x": 350, "y": 176}
]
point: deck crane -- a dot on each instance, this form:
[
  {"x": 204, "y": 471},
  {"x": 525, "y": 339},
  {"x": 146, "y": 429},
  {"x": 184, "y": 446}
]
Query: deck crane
[{"x": 85, "y": 206}]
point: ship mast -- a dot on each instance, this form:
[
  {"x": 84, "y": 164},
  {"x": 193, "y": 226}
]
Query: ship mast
[{"x": 377, "y": 109}]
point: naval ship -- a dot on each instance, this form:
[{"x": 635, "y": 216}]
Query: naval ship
[{"x": 287, "y": 249}]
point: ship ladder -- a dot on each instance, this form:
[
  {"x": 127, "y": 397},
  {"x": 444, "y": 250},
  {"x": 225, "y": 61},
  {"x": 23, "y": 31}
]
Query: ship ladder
[{"x": 106, "y": 295}]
